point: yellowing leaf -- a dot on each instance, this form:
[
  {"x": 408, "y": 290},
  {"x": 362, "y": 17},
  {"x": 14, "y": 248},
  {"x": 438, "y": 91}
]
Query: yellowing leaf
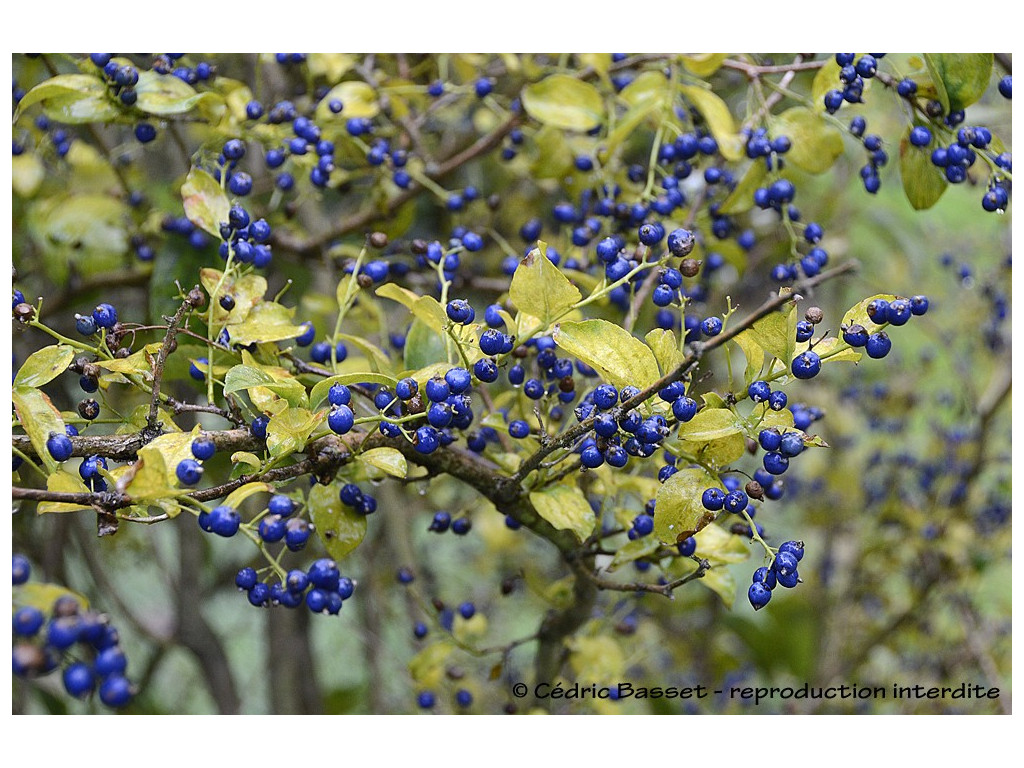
[
  {"x": 679, "y": 512},
  {"x": 719, "y": 119},
  {"x": 237, "y": 496},
  {"x": 39, "y": 418},
  {"x": 44, "y": 366},
  {"x": 566, "y": 102},
  {"x": 565, "y": 507},
  {"x": 704, "y": 64},
  {"x": 540, "y": 289},
  {"x": 62, "y": 482},
  {"x": 816, "y": 143},
  {"x": 288, "y": 431},
  {"x": 666, "y": 349},
  {"x": 27, "y": 174},
  {"x": 167, "y": 94},
  {"x": 858, "y": 313},
  {"x": 267, "y": 321},
  {"x": 205, "y": 203},
  {"x": 387, "y": 460},
  {"x": 358, "y": 100},
  {"x": 611, "y": 350}
]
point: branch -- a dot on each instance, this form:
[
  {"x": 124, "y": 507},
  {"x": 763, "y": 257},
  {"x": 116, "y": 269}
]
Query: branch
[
  {"x": 310, "y": 247},
  {"x": 161, "y": 358},
  {"x": 512, "y": 485}
]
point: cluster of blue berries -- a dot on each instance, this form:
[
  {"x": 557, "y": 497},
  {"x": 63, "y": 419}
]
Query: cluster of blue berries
[
  {"x": 442, "y": 522},
  {"x": 245, "y": 240},
  {"x": 881, "y": 312},
  {"x": 321, "y": 588},
  {"x": 83, "y": 643},
  {"x": 810, "y": 263},
  {"x": 121, "y": 78},
  {"x": 853, "y": 72},
  {"x": 782, "y": 571}
]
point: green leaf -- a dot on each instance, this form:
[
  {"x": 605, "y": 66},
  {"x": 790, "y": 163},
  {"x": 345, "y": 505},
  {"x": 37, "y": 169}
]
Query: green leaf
[
  {"x": 719, "y": 547},
  {"x": 358, "y": 99},
  {"x": 205, "y": 203},
  {"x": 76, "y": 98},
  {"x": 858, "y": 313},
  {"x": 237, "y": 496},
  {"x": 599, "y": 658},
  {"x": 319, "y": 392},
  {"x": 242, "y": 377},
  {"x": 388, "y": 460},
  {"x": 245, "y": 457},
  {"x": 377, "y": 357},
  {"x": 679, "y": 512},
  {"x": 552, "y": 157},
  {"x": 666, "y": 349},
  {"x": 138, "y": 363},
  {"x": 816, "y": 143},
  {"x": 742, "y": 197},
  {"x": 923, "y": 183},
  {"x": 566, "y": 102},
  {"x": 964, "y": 77},
  {"x": 87, "y": 230},
  {"x": 167, "y": 94},
  {"x": 62, "y": 482},
  {"x": 719, "y": 119},
  {"x": 38, "y": 418},
  {"x": 423, "y": 346},
  {"x": 565, "y": 507},
  {"x": 540, "y": 289},
  {"x": 627, "y": 126},
  {"x": 27, "y": 174},
  {"x": 427, "y": 667},
  {"x": 44, "y": 366},
  {"x": 341, "y": 529},
  {"x": 611, "y": 350},
  {"x": 289, "y": 430}
]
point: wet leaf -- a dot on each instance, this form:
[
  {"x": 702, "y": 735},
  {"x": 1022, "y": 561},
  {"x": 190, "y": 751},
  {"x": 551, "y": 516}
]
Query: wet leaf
[
  {"x": 666, "y": 349},
  {"x": 38, "y": 418},
  {"x": 289, "y": 430},
  {"x": 340, "y": 528},
  {"x": 167, "y": 94},
  {"x": 62, "y": 482},
  {"x": 964, "y": 77},
  {"x": 388, "y": 460}
]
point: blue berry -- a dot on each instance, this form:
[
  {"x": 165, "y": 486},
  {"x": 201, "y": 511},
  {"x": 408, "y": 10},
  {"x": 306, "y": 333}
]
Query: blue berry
[
  {"x": 713, "y": 499},
  {"x": 684, "y": 409},
  {"x": 1006, "y": 87},
  {"x": 687, "y": 546},
  {"x": 461, "y": 526},
  {"x": 920, "y": 136},
  {"x": 518, "y": 429},
  {"x": 775, "y": 463},
  {"x": 116, "y": 691},
  {"x": 59, "y": 446},
  {"x": 341, "y": 419},
  {"x": 759, "y": 391},
  {"x": 339, "y": 394},
  {"x": 105, "y": 316},
  {"x": 878, "y": 345},
  {"x": 203, "y": 448},
  {"x": 759, "y": 595},
  {"x": 777, "y": 400},
  {"x": 224, "y": 521},
  {"x": 806, "y": 365},
  {"x": 189, "y": 471}
]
